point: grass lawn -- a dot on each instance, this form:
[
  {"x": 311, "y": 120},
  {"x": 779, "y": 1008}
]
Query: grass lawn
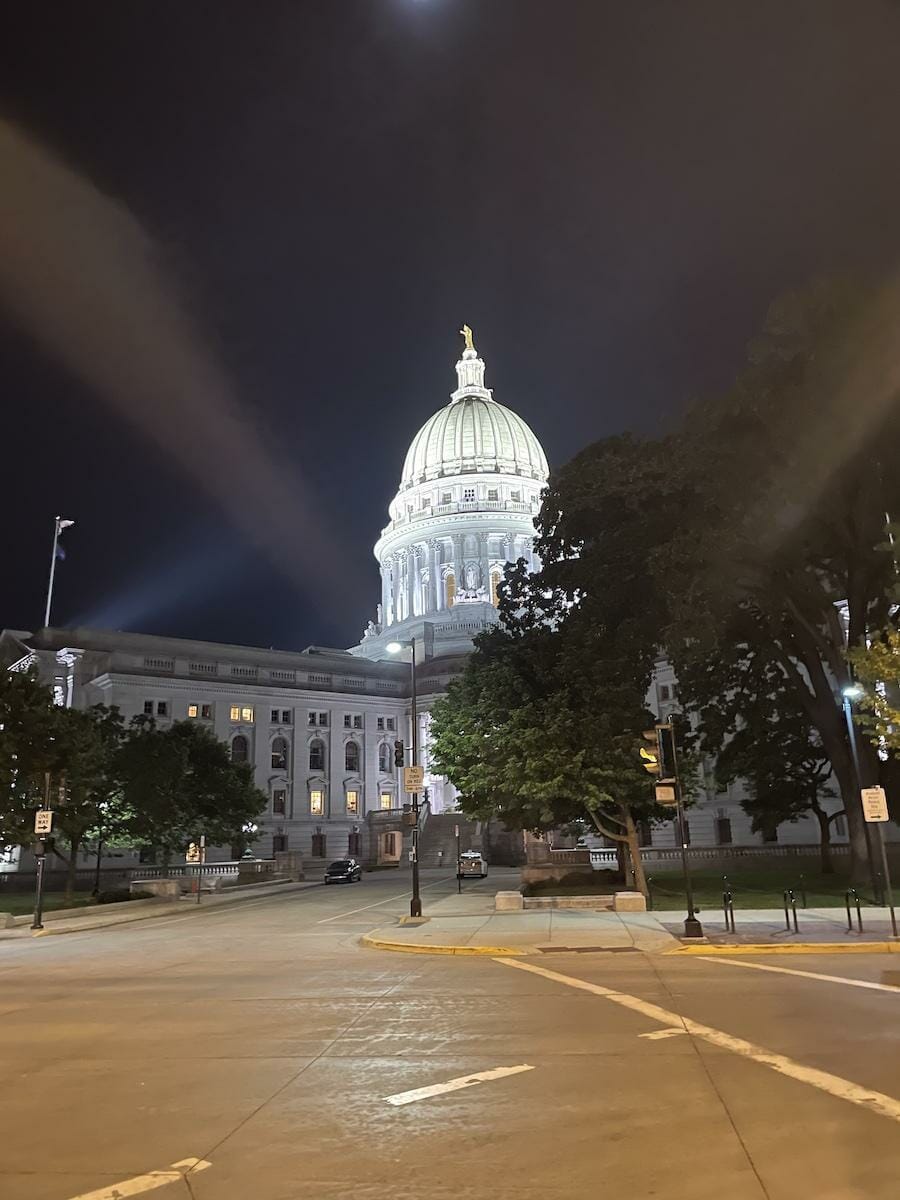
[
  {"x": 757, "y": 885},
  {"x": 18, "y": 903}
]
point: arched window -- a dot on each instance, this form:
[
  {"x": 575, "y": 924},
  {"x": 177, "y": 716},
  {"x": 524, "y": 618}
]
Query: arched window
[
  {"x": 279, "y": 754},
  {"x": 317, "y": 755},
  {"x": 450, "y": 585},
  {"x": 240, "y": 748},
  {"x": 385, "y": 760},
  {"x": 351, "y": 758}
]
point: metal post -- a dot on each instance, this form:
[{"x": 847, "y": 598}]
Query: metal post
[
  {"x": 854, "y": 753},
  {"x": 37, "y": 923},
  {"x": 886, "y": 872},
  {"x": 200, "y": 865},
  {"x": 96, "y": 891},
  {"x": 415, "y": 904},
  {"x": 458, "y": 861},
  {"x": 52, "y": 572},
  {"x": 803, "y": 892},
  {"x": 692, "y": 927}
]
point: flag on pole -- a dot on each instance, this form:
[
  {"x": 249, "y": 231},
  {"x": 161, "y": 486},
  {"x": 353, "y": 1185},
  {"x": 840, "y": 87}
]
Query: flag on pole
[{"x": 61, "y": 524}]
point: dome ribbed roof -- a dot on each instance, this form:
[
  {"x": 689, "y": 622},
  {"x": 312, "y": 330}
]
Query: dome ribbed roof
[{"x": 473, "y": 434}]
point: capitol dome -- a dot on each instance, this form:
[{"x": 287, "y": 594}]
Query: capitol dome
[
  {"x": 473, "y": 434},
  {"x": 469, "y": 493}
]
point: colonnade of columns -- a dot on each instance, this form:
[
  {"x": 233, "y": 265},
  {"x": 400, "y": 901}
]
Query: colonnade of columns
[{"x": 413, "y": 577}]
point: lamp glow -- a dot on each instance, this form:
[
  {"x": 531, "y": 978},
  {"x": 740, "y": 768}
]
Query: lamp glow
[
  {"x": 393, "y": 647},
  {"x": 852, "y": 693}
]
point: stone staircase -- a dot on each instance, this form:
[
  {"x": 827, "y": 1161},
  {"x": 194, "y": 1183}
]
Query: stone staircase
[{"x": 438, "y": 835}]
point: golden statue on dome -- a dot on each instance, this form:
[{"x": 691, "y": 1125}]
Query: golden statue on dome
[{"x": 467, "y": 334}]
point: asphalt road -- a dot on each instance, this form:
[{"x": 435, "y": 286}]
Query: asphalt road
[{"x": 261, "y": 1040}]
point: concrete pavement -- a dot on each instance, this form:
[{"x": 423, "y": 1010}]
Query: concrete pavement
[{"x": 262, "y": 1040}]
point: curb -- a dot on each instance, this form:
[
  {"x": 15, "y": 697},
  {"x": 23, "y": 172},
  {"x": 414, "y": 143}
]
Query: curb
[
  {"x": 421, "y": 948},
  {"x": 796, "y": 948}
]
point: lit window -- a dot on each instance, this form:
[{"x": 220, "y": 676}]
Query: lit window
[
  {"x": 206, "y": 712},
  {"x": 351, "y": 758},
  {"x": 357, "y": 722},
  {"x": 193, "y": 710},
  {"x": 279, "y": 802},
  {"x": 379, "y": 723},
  {"x": 387, "y": 800},
  {"x": 162, "y": 708},
  {"x": 353, "y": 802},
  {"x": 242, "y": 712},
  {"x": 148, "y": 708},
  {"x": 317, "y": 803},
  {"x": 468, "y": 493}
]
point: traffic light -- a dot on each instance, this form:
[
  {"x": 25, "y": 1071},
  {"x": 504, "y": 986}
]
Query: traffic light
[
  {"x": 667, "y": 753},
  {"x": 398, "y": 754},
  {"x": 650, "y": 757}
]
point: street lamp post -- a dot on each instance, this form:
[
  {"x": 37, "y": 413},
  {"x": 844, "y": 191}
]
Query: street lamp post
[
  {"x": 851, "y": 693},
  {"x": 415, "y": 904}
]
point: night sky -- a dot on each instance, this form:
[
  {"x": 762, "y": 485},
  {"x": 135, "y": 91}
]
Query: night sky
[{"x": 608, "y": 193}]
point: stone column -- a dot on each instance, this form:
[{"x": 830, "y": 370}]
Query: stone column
[
  {"x": 459, "y": 562},
  {"x": 485, "y": 564},
  {"x": 410, "y": 578},
  {"x": 385, "y": 592},
  {"x": 395, "y": 587},
  {"x": 435, "y": 604}
]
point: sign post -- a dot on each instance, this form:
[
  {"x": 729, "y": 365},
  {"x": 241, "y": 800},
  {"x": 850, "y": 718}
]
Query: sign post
[
  {"x": 43, "y": 826},
  {"x": 875, "y": 811},
  {"x": 458, "y": 872}
]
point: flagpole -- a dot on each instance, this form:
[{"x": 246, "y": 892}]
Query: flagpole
[{"x": 52, "y": 573}]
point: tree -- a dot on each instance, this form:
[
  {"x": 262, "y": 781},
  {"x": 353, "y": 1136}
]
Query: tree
[
  {"x": 760, "y": 524},
  {"x": 179, "y": 783},
  {"x": 877, "y": 668},
  {"x": 544, "y": 725}
]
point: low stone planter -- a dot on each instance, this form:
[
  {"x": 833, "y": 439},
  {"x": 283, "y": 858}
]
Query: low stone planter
[
  {"x": 629, "y": 902},
  {"x": 509, "y": 902}
]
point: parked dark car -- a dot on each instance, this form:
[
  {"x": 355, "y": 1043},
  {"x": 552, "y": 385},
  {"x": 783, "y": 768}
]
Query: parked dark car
[{"x": 345, "y": 870}]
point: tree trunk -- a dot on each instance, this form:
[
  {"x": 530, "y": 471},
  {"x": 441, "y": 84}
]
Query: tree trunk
[
  {"x": 74, "y": 843},
  {"x": 860, "y": 863},
  {"x": 638, "y": 878},
  {"x": 827, "y": 863}
]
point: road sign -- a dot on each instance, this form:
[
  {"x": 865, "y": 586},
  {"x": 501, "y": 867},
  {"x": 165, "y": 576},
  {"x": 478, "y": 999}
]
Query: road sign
[
  {"x": 665, "y": 795},
  {"x": 874, "y": 804},
  {"x": 413, "y": 779},
  {"x": 43, "y": 821}
]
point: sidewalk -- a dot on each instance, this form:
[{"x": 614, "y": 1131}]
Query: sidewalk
[
  {"x": 80, "y": 920},
  {"x": 468, "y": 925}
]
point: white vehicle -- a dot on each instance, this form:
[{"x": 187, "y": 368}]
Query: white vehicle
[{"x": 472, "y": 866}]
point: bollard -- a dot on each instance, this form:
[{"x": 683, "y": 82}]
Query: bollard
[
  {"x": 790, "y": 907},
  {"x": 650, "y": 893},
  {"x": 728, "y": 909},
  {"x": 851, "y": 896}
]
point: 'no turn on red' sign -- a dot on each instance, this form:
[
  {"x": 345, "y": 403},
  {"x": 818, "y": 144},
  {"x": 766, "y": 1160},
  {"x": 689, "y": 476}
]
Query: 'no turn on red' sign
[{"x": 874, "y": 803}]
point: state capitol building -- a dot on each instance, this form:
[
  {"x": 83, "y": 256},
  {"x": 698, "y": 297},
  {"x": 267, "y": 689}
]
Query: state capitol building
[{"x": 319, "y": 725}]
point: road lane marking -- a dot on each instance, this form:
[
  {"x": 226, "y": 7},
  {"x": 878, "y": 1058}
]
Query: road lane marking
[
  {"x": 378, "y": 903},
  {"x": 452, "y": 1085},
  {"x": 860, "y": 983},
  {"x": 659, "y": 1034},
  {"x": 146, "y": 1183},
  {"x": 834, "y": 1085}
]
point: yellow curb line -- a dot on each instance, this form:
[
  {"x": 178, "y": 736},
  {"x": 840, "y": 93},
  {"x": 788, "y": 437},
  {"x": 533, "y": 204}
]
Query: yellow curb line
[
  {"x": 797, "y": 948},
  {"x": 420, "y": 948}
]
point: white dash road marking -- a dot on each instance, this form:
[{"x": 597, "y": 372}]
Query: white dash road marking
[
  {"x": 454, "y": 1085},
  {"x": 659, "y": 1034},
  {"x": 146, "y": 1183},
  {"x": 860, "y": 983},
  {"x": 834, "y": 1085}
]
